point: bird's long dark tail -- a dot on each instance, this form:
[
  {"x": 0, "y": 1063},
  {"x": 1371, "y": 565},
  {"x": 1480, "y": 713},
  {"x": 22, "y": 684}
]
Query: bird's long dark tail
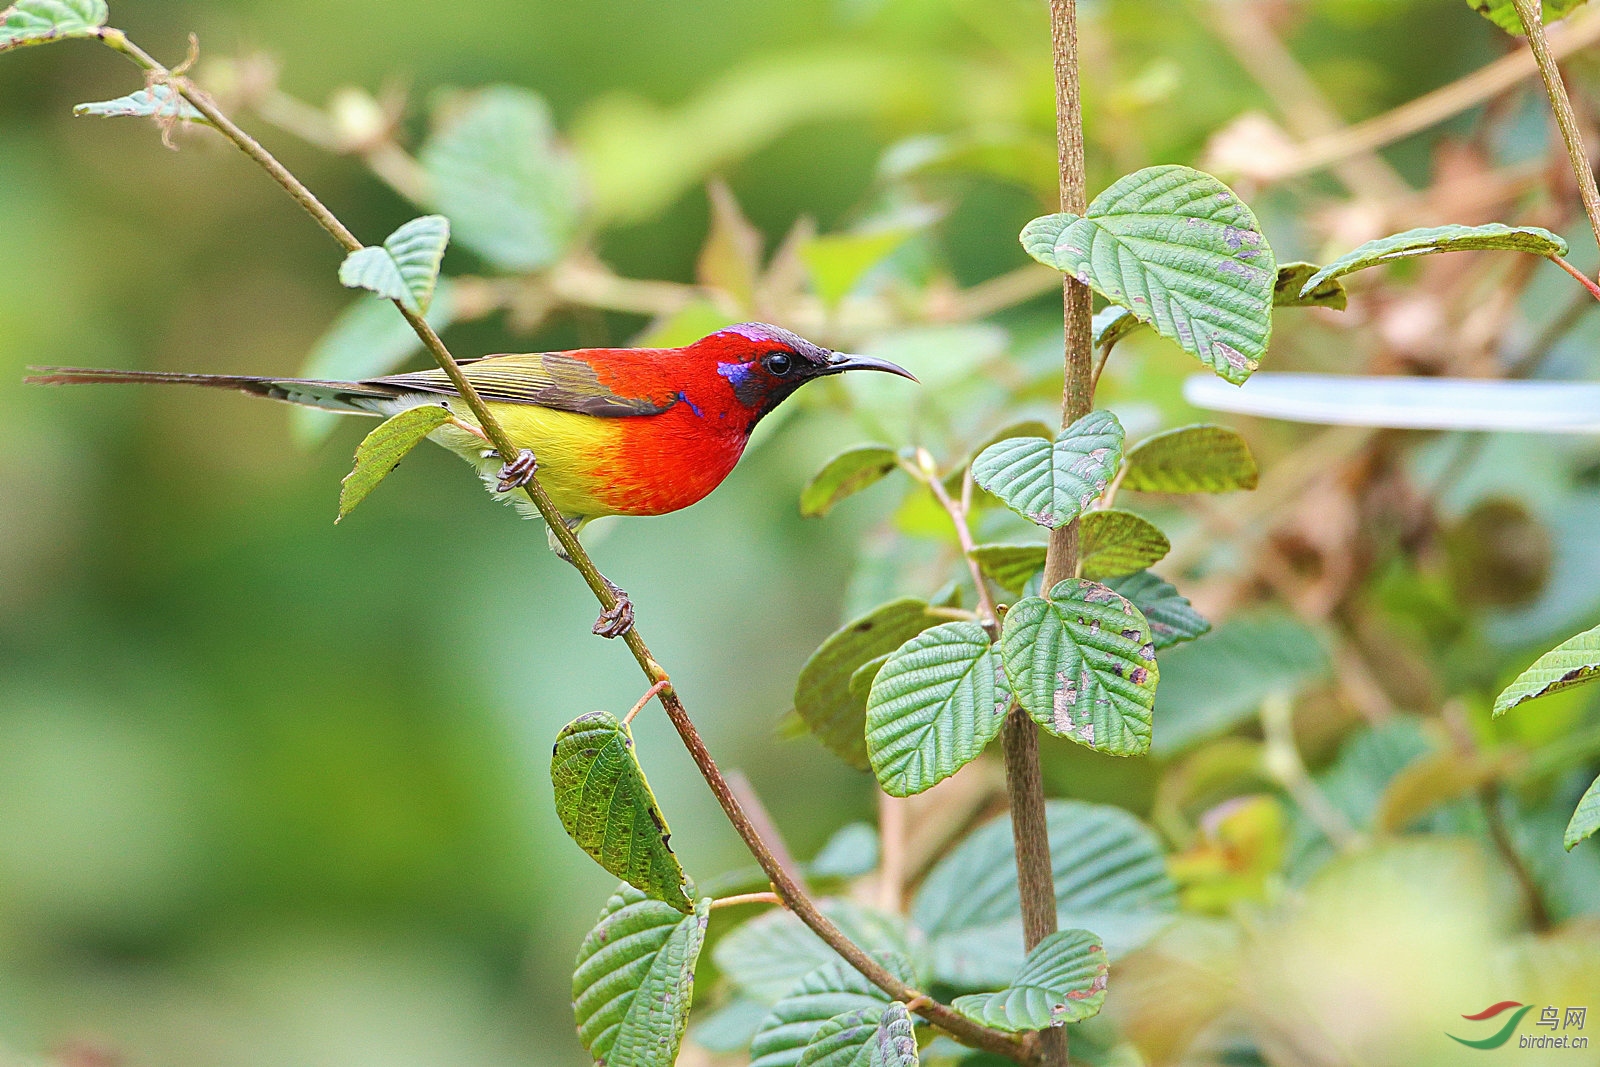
[{"x": 366, "y": 398}]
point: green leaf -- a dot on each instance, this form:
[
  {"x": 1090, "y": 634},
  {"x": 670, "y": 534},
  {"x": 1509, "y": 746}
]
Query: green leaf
[
  {"x": 1171, "y": 617},
  {"x": 830, "y": 990},
  {"x": 1290, "y": 289},
  {"x": 42, "y": 21},
  {"x": 1178, "y": 249},
  {"x": 935, "y": 704},
  {"x": 1115, "y": 543},
  {"x": 851, "y": 852},
  {"x": 766, "y": 956},
  {"x": 156, "y": 102},
  {"x": 1112, "y": 324},
  {"x": 1191, "y": 459},
  {"x": 1110, "y": 876},
  {"x": 381, "y": 451},
  {"x": 1573, "y": 662},
  {"x": 606, "y": 806},
  {"x": 896, "y": 1044},
  {"x": 823, "y": 696},
  {"x": 634, "y": 980},
  {"x": 1047, "y": 483},
  {"x": 849, "y": 1039},
  {"x": 511, "y": 191},
  {"x": 406, "y": 267},
  {"x": 837, "y": 262},
  {"x": 730, "y": 1027},
  {"x": 367, "y": 340},
  {"x": 1063, "y": 980},
  {"x": 1010, "y": 565},
  {"x": 1434, "y": 239},
  {"x": 1586, "y": 819},
  {"x": 1083, "y": 665},
  {"x": 844, "y": 475},
  {"x": 1211, "y": 686},
  {"x": 1504, "y": 14}
]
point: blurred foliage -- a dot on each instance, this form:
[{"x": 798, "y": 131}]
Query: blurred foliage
[{"x": 272, "y": 793}]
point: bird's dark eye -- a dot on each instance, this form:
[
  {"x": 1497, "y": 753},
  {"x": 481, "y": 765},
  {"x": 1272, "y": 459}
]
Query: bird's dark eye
[{"x": 778, "y": 364}]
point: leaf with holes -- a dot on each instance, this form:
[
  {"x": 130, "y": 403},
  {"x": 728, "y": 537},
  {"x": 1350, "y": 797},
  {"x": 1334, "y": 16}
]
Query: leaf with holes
[
  {"x": 512, "y": 191},
  {"x": 1063, "y": 980},
  {"x": 42, "y": 21},
  {"x": 1586, "y": 819},
  {"x": 1051, "y": 483},
  {"x": 406, "y": 267},
  {"x": 157, "y": 102},
  {"x": 844, "y": 475},
  {"x": 634, "y": 980},
  {"x": 1191, "y": 459},
  {"x": 381, "y": 451},
  {"x": 1083, "y": 665},
  {"x": 823, "y": 696},
  {"x": 1171, "y": 617},
  {"x": 1115, "y": 543},
  {"x": 1503, "y": 13},
  {"x": 1010, "y": 565},
  {"x": 1110, "y": 876},
  {"x": 1572, "y": 662},
  {"x": 1435, "y": 239},
  {"x": 1180, "y": 251},
  {"x": 607, "y": 807},
  {"x": 828, "y": 991},
  {"x": 1292, "y": 278},
  {"x": 934, "y": 705}
]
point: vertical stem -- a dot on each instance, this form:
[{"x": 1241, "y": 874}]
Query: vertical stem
[{"x": 1531, "y": 14}]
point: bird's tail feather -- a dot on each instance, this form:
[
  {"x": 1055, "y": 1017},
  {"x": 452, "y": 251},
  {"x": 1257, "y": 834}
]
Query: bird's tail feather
[{"x": 363, "y": 397}]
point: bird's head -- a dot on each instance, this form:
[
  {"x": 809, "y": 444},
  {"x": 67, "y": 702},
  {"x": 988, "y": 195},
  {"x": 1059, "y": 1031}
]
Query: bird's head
[{"x": 761, "y": 365}]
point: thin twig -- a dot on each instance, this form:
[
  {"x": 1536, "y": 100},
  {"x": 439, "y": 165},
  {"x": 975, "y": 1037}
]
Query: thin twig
[
  {"x": 786, "y": 887},
  {"x": 892, "y": 852},
  {"x": 746, "y": 898},
  {"x": 990, "y": 614},
  {"x": 1583, "y": 279},
  {"x": 1530, "y": 12},
  {"x": 1490, "y": 797},
  {"x": 648, "y": 693}
]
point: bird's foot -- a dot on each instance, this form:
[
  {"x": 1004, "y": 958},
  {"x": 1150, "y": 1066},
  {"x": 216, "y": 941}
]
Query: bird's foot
[
  {"x": 517, "y": 472},
  {"x": 618, "y": 618}
]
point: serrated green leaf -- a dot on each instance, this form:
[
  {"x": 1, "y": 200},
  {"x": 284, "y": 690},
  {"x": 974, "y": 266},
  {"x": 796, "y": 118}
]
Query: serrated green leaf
[
  {"x": 381, "y": 451},
  {"x": 1292, "y": 278},
  {"x": 405, "y": 267},
  {"x": 29, "y": 22},
  {"x": 1180, "y": 251},
  {"x": 1051, "y": 483},
  {"x": 1082, "y": 665},
  {"x": 1585, "y": 819},
  {"x": 634, "y": 980},
  {"x": 367, "y": 340},
  {"x": 1504, "y": 14},
  {"x": 606, "y": 806},
  {"x": 1113, "y": 543},
  {"x": 1573, "y": 662},
  {"x": 896, "y": 1039},
  {"x": 1110, "y": 876},
  {"x": 1191, "y": 459},
  {"x": 849, "y": 1039},
  {"x": 1063, "y": 980},
  {"x": 1112, "y": 323},
  {"x": 830, "y": 990},
  {"x": 822, "y": 694},
  {"x": 935, "y": 704},
  {"x": 1010, "y": 565},
  {"x": 512, "y": 192},
  {"x": 844, "y": 475},
  {"x": 766, "y": 956},
  {"x": 1434, "y": 239},
  {"x": 1171, "y": 617},
  {"x": 157, "y": 102}
]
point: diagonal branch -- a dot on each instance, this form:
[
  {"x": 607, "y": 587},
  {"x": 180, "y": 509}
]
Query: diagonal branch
[
  {"x": 793, "y": 896},
  {"x": 1531, "y": 14}
]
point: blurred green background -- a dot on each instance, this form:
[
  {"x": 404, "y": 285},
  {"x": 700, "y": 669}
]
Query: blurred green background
[{"x": 273, "y": 792}]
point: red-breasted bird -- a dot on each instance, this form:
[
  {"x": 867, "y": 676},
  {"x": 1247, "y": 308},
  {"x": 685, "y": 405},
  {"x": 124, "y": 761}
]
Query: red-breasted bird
[{"x": 614, "y": 431}]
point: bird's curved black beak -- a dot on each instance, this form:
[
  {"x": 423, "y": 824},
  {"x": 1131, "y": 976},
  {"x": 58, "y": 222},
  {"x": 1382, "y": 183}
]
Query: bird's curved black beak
[{"x": 839, "y": 362}]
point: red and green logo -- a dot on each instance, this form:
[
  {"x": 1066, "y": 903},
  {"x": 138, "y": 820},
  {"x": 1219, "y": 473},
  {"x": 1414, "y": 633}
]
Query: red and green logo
[{"x": 1501, "y": 1036}]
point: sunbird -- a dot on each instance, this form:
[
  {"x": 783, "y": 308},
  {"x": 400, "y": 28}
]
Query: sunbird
[{"x": 610, "y": 431}]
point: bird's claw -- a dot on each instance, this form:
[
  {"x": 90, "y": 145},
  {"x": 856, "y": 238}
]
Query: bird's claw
[
  {"x": 617, "y": 619},
  {"x": 517, "y": 472}
]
